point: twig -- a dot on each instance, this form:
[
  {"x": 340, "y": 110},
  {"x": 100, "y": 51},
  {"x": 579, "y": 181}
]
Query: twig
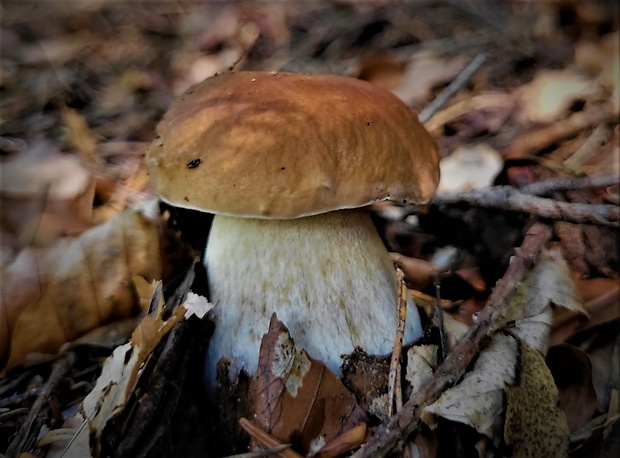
[
  {"x": 455, "y": 86},
  {"x": 391, "y": 435},
  {"x": 509, "y": 198},
  {"x": 17, "y": 398},
  {"x": 398, "y": 340},
  {"x": 27, "y": 434},
  {"x": 264, "y": 452},
  {"x": 265, "y": 439},
  {"x": 541, "y": 188},
  {"x": 443, "y": 338},
  {"x": 345, "y": 442}
]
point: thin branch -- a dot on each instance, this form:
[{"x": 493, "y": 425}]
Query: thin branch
[
  {"x": 455, "y": 86},
  {"x": 541, "y": 188},
  {"x": 511, "y": 199},
  {"x": 392, "y": 434},
  {"x": 393, "y": 379}
]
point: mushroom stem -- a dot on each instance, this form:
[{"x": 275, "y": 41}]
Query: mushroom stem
[{"x": 328, "y": 277}]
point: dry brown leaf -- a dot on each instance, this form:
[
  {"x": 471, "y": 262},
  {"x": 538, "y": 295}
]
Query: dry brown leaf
[
  {"x": 602, "y": 304},
  {"x": 572, "y": 371},
  {"x": 535, "y": 426},
  {"x": 80, "y": 137},
  {"x": 298, "y": 399},
  {"x": 54, "y": 295},
  {"x": 117, "y": 381},
  {"x": 43, "y": 194}
]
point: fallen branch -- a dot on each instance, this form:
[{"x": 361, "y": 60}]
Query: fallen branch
[
  {"x": 544, "y": 187},
  {"x": 392, "y": 434},
  {"x": 512, "y": 199}
]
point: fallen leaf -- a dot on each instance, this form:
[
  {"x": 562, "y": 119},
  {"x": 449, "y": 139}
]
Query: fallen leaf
[
  {"x": 425, "y": 73},
  {"x": 54, "y": 295},
  {"x": 478, "y": 399},
  {"x": 549, "y": 282},
  {"x": 469, "y": 167},
  {"x": 572, "y": 371},
  {"x": 299, "y": 400},
  {"x": 421, "y": 362},
  {"x": 44, "y": 194},
  {"x": 535, "y": 426},
  {"x": 117, "y": 381},
  {"x": 552, "y": 92}
]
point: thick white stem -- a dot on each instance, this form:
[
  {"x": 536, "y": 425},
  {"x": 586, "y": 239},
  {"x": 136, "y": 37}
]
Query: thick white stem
[{"x": 328, "y": 277}]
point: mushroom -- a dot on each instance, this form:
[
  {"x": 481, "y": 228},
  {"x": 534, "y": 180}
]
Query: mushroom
[{"x": 288, "y": 163}]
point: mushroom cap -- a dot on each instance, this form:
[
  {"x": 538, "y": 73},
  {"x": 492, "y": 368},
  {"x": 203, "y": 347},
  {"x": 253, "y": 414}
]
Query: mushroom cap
[{"x": 283, "y": 145}]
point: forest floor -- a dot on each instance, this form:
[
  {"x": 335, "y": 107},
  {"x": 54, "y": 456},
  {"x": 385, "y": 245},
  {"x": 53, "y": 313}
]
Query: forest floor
[{"x": 518, "y": 249}]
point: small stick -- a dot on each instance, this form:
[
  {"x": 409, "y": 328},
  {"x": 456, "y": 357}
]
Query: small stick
[
  {"x": 393, "y": 433},
  {"x": 345, "y": 442},
  {"x": 264, "y": 452},
  {"x": 544, "y": 187},
  {"x": 455, "y": 86},
  {"x": 265, "y": 439},
  {"x": 398, "y": 390},
  {"x": 509, "y": 198},
  {"x": 443, "y": 339},
  {"x": 398, "y": 340}
]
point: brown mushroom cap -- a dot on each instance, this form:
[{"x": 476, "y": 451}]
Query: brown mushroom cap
[{"x": 282, "y": 145}]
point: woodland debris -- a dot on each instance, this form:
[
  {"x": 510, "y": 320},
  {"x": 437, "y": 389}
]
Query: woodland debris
[
  {"x": 27, "y": 435},
  {"x": 390, "y": 435}
]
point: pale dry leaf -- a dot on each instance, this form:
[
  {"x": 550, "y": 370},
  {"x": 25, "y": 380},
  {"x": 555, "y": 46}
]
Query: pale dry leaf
[
  {"x": 118, "y": 379},
  {"x": 478, "y": 399},
  {"x": 421, "y": 362},
  {"x": 43, "y": 194},
  {"x": 551, "y": 93},
  {"x": 426, "y": 72},
  {"x": 548, "y": 283},
  {"x": 43, "y": 168},
  {"x": 535, "y": 425},
  {"x": 54, "y": 295},
  {"x": 454, "y": 329},
  {"x": 470, "y": 167},
  {"x": 197, "y": 305}
]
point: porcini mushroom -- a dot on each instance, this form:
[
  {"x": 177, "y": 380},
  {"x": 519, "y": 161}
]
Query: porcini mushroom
[{"x": 287, "y": 163}]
